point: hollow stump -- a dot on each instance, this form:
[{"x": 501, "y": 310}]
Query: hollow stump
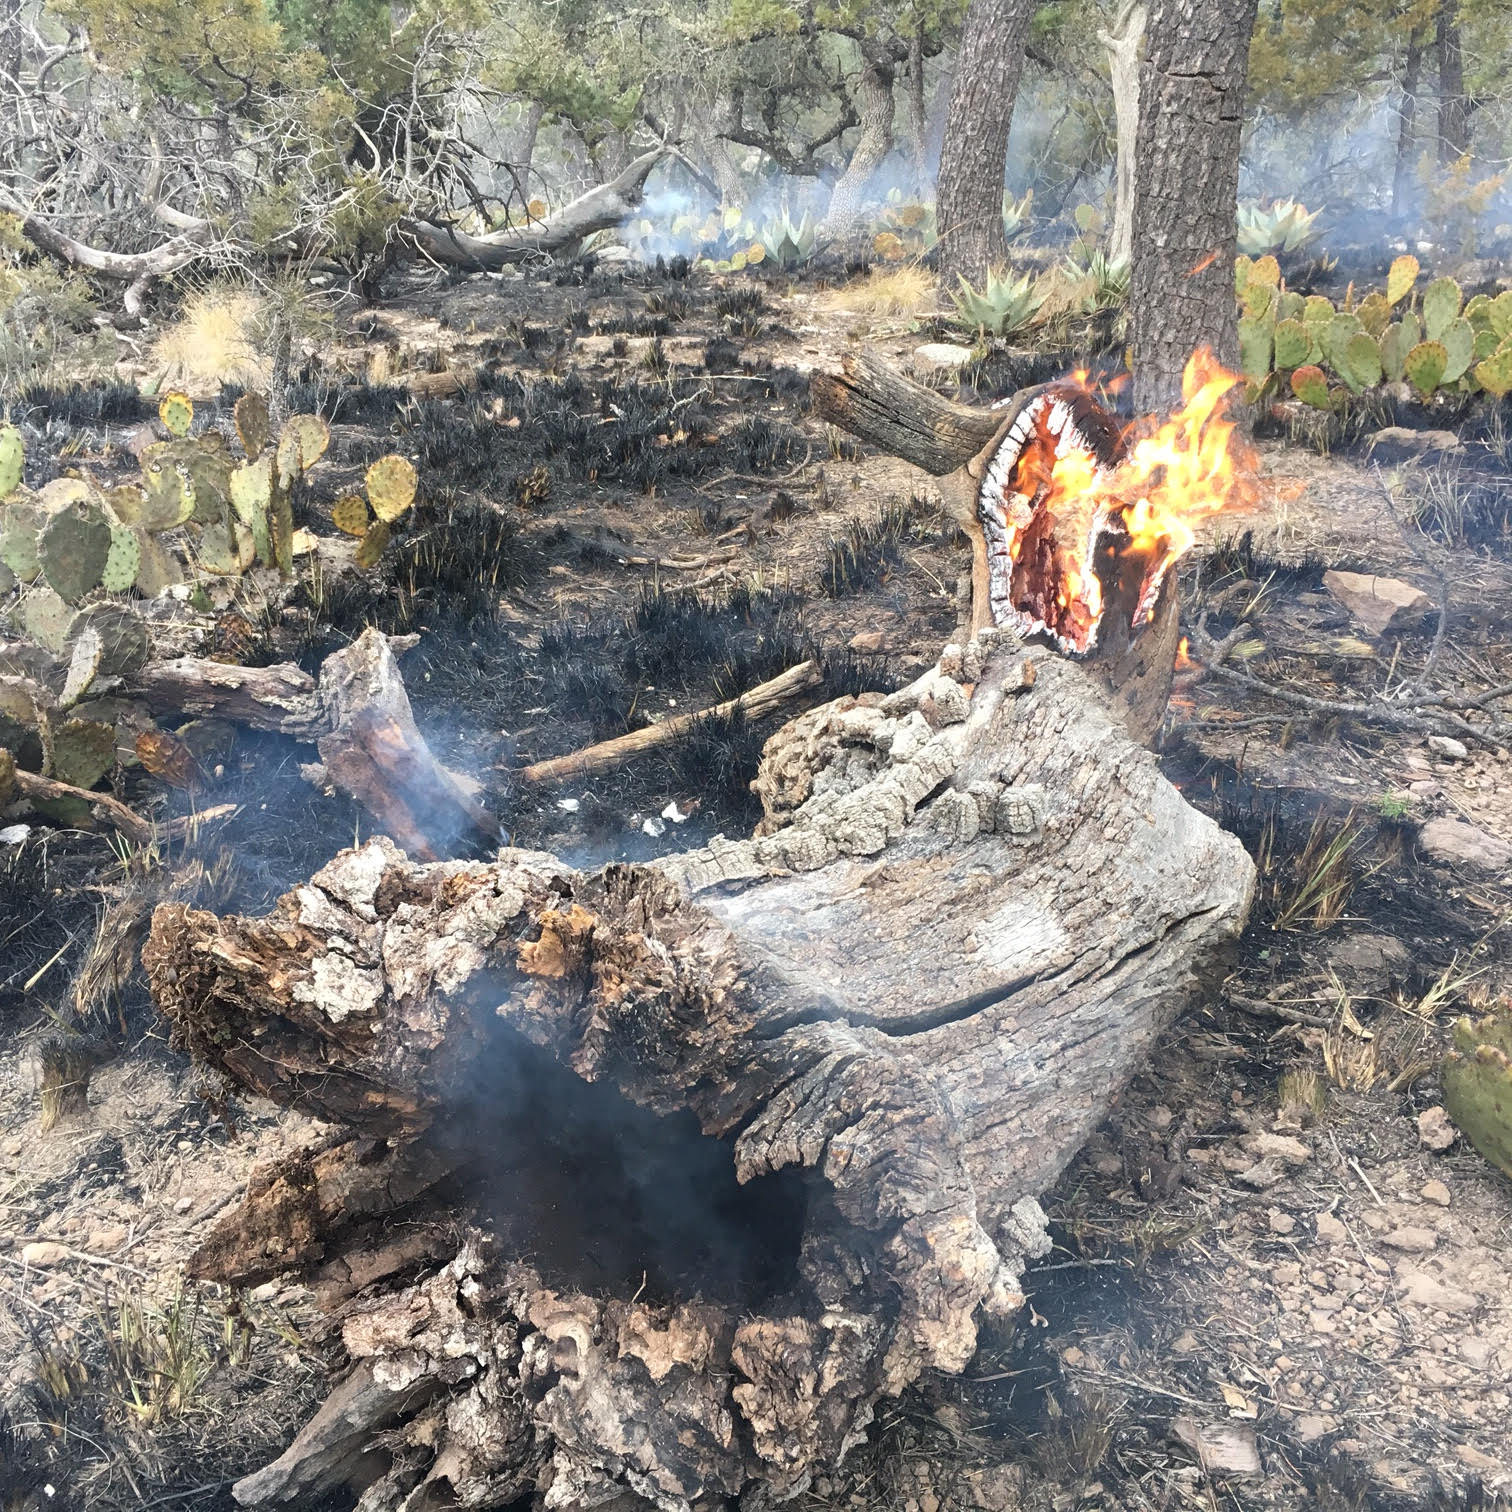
[{"x": 858, "y": 1045}]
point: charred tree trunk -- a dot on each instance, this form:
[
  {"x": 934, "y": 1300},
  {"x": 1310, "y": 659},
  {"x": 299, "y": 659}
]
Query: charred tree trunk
[
  {"x": 1453, "y": 107},
  {"x": 974, "y": 154},
  {"x": 918, "y": 119},
  {"x": 1191, "y": 94},
  {"x": 1401, "y": 178},
  {"x": 1123, "y": 44},
  {"x": 873, "y": 97},
  {"x": 888, "y": 1019}
]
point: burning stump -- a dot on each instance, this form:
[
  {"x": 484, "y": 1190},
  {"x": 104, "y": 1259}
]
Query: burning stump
[{"x": 653, "y": 1181}]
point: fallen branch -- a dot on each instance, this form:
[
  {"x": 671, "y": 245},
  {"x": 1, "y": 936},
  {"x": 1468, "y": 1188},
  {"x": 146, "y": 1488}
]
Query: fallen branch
[
  {"x": 602, "y": 207},
  {"x": 608, "y": 754},
  {"x": 135, "y": 828}
]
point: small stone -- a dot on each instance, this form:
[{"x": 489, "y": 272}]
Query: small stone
[
  {"x": 868, "y": 642},
  {"x": 1435, "y": 1132},
  {"x": 1448, "y": 748},
  {"x": 42, "y": 1253},
  {"x": 1471, "y": 1456},
  {"x": 1417, "y": 440},
  {"x": 1262, "y": 1174},
  {"x": 1073, "y": 1357},
  {"x": 1435, "y": 1192},
  {"x": 1476, "y": 1352},
  {"x": 1161, "y": 1118},
  {"x": 941, "y": 356},
  {"x": 1186, "y": 1342},
  {"x": 183, "y": 1204},
  {"x": 105, "y": 1241},
  {"x": 1330, "y": 1230},
  {"x": 1452, "y": 842},
  {"x": 1428, "y": 1291},
  {"x": 1311, "y": 1426},
  {"x": 1221, "y": 1448},
  {"x": 1378, "y": 603},
  {"x": 1280, "y": 1223},
  {"x": 1410, "y": 1239},
  {"x": 1283, "y": 1147}
]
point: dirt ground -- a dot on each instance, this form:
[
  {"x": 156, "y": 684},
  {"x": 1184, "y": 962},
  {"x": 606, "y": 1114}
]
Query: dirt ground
[{"x": 1275, "y": 1281}]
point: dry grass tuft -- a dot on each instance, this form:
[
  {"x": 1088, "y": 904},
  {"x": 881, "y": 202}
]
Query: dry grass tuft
[
  {"x": 215, "y": 340},
  {"x": 909, "y": 290}
]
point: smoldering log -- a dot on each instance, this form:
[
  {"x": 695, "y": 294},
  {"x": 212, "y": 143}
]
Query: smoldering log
[
  {"x": 359, "y": 717},
  {"x": 969, "y": 911}
]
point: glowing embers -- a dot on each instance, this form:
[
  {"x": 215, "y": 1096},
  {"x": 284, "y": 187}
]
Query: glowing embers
[{"x": 1079, "y": 527}]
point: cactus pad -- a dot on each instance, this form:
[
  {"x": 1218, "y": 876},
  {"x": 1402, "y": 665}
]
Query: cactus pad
[
  {"x": 1265, "y": 270},
  {"x": 176, "y": 411},
  {"x": 372, "y": 544},
  {"x": 1311, "y": 387},
  {"x": 1394, "y": 349},
  {"x": 216, "y": 550},
  {"x": 18, "y": 550},
  {"x": 1425, "y": 365},
  {"x": 47, "y": 620},
  {"x": 1400, "y": 278},
  {"x": 252, "y": 425},
  {"x": 1459, "y": 348},
  {"x": 8, "y": 579},
  {"x": 83, "y": 750},
  {"x": 301, "y": 444},
  {"x": 281, "y": 532},
  {"x": 83, "y": 668},
  {"x": 1375, "y": 313},
  {"x": 1292, "y": 344},
  {"x": 1501, "y": 314},
  {"x": 12, "y": 455},
  {"x": 350, "y": 514},
  {"x": 1441, "y": 304},
  {"x": 167, "y": 500},
  {"x": 1485, "y": 344},
  {"x": 126, "y": 504},
  {"x": 1290, "y": 306},
  {"x": 122, "y": 562},
  {"x": 124, "y": 646},
  {"x": 1257, "y": 300},
  {"x": 1477, "y": 1076},
  {"x": 1255, "y": 349},
  {"x": 1317, "y": 310},
  {"x": 158, "y": 568},
  {"x": 1494, "y": 374},
  {"x": 74, "y": 547},
  {"x": 391, "y": 483},
  {"x": 1478, "y": 312},
  {"x": 251, "y": 489},
  {"x": 1362, "y": 357}
]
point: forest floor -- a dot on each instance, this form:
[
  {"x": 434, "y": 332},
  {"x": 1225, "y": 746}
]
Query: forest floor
[{"x": 1274, "y": 1282}]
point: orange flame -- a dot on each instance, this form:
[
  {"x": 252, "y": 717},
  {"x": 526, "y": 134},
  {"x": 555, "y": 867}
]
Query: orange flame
[{"x": 1183, "y": 661}]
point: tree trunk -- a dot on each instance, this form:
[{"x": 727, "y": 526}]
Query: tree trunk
[
  {"x": 1123, "y": 44},
  {"x": 733, "y": 188},
  {"x": 918, "y": 120},
  {"x": 874, "y": 107},
  {"x": 1401, "y": 179},
  {"x": 974, "y": 154},
  {"x": 758, "y": 1131},
  {"x": 1186, "y": 190},
  {"x": 524, "y": 151},
  {"x": 1453, "y": 107}
]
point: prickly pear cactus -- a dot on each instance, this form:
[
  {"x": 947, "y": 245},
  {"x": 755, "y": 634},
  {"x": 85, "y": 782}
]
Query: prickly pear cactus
[
  {"x": 12, "y": 456},
  {"x": 1311, "y": 387},
  {"x": 1394, "y": 349},
  {"x": 1494, "y": 373},
  {"x": 1459, "y": 350},
  {"x": 74, "y": 548},
  {"x": 1477, "y": 1076},
  {"x": 252, "y": 425},
  {"x": 1292, "y": 344},
  {"x": 1425, "y": 366},
  {"x": 1255, "y": 349},
  {"x": 1375, "y": 313},
  {"x": 176, "y": 411},
  {"x": 1362, "y": 362},
  {"x": 1400, "y": 279},
  {"x": 1441, "y": 304},
  {"x": 349, "y": 514},
  {"x": 391, "y": 484}
]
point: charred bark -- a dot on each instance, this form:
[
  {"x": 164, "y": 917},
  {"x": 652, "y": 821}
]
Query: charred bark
[
  {"x": 1453, "y": 105},
  {"x": 856, "y": 1000},
  {"x": 1191, "y": 92},
  {"x": 974, "y": 154},
  {"x": 1401, "y": 179}
]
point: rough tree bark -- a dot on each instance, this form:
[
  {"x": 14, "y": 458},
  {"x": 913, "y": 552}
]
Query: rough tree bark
[
  {"x": 1191, "y": 92},
  {"x": 969, "y": 911},
  {"x": 1123, "y": 42},
  {"x": 974, "y": 153},
  {"x": 1401, "y": 179},
  {"x": 559, "y": 235},
  {"x": 873, "y": 98},
  {"x": 1453, "y": 105},
  {"x": 918, "y": 119}
]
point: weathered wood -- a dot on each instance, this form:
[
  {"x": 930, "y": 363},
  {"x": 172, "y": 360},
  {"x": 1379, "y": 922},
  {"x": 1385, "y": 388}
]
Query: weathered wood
[
  {"x": 562, "y": 234},
  {"x": 104, "y": 807},
  {"x": 971, "y": 908},
  {"x": 282, "y": 697},
  {"x": 754, "y": 703},
  {"x": 873, "y": 400}
]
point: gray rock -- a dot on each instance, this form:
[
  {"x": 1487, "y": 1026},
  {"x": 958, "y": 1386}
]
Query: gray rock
[{"x": 1453, "y": 842}]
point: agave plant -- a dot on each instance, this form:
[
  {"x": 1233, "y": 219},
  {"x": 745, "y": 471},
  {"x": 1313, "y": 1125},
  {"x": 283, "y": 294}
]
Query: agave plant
[
  {"x": 1107, "y": 280},
  {"x": 1003, "y": 308},
  {"x": 789, "y": 245},
  {"x": 1016, "y": 213},
  {"x": 1283, "y": 227}
]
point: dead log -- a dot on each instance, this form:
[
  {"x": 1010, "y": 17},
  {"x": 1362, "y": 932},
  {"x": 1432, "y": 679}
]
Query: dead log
[
  {"x": 359, "y": 717},
  {"x": 560, "y": 235},
  {"x": 741, "y": 1143},
  {"x": 604, "y": 756}
]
